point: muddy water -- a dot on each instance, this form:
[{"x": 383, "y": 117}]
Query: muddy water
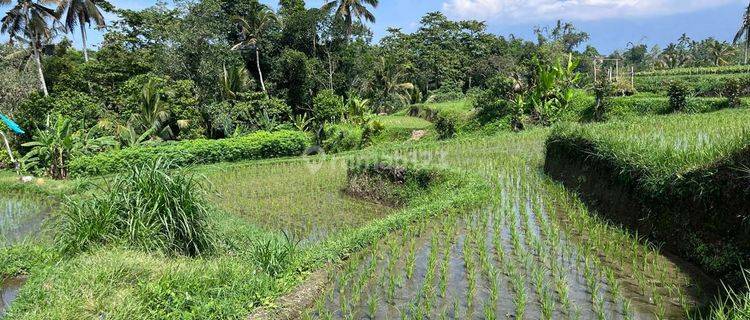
[{"x": 8, "y": 292}]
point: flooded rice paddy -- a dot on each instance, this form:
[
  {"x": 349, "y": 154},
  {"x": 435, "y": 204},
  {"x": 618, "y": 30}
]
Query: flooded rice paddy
[
  {"x": 21, "y": 219},
  {"x": 532, "y": 252}
]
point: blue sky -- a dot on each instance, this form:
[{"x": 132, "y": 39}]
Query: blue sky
[{"x": 611, "y": 23}]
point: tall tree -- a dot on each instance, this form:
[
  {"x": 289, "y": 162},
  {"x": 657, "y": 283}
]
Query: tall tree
[
  {"x": 720, "y": 53},
  {"x": 744, "y": 33},
  {"x": 27, "y": 21},
  {"x": 252, "y": 30},
  {"x": 82, "y": 13},
  {"x": 348, "y": 9}
]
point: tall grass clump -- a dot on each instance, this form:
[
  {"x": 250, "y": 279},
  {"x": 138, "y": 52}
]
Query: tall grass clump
[{"x": 148, "y": 208}]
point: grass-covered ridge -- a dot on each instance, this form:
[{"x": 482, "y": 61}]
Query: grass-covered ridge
[
  {"x": 695, "y": 71},
  {"x": 680, "y": 179},
  {"x": 660, "y": 148}
]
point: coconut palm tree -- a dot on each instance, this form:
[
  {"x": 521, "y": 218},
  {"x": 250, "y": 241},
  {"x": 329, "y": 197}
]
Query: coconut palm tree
[
  {"x": 720, "y": 53},
  {"x": 348, "y": 9},
  {"x": 152, "y": 114},
  {"x": 27, "y": 22},
  {"x": 744, "y": 33},
  {"x": 234, "y": 81},
  {"x": 81, "y": 13},
  {"x": 251, "y": 30},
  {"x": 388, "y": 82}
]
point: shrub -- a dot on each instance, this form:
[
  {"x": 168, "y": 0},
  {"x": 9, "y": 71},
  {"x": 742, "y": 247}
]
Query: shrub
[
  {"x": 623, "y": 88},
  {"x": 602, "y": 92},
  {"x": 733, "y": 92},
  {"x": 678, "y": 92},
  {"x": 258, "y": 145},
  {"x": 342, "y": 137},
  {"x": 447, "y": 123},
  {"x": 328, "y": 106},
  {"x": 493, "y": 103},
  {"x": 146, "y": 208}
]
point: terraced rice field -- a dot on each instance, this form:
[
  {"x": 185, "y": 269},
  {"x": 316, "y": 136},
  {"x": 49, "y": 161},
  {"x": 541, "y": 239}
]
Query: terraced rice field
[{"x": 532, "y": 252}]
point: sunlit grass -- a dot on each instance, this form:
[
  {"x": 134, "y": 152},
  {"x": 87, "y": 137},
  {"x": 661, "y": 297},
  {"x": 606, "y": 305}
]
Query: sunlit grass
[
  {"x": 666, "y": 146},
  {"x": 304, "y": 199}
]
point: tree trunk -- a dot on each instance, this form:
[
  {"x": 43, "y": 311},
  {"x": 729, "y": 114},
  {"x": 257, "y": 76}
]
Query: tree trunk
[
  {"x": 83, "y": 39},
  {"x": 38, "y": 61},
  {"x": 260, "y": 73},
  {"x": 10, "y": 152},
  {"x": 349, "y": 27}
]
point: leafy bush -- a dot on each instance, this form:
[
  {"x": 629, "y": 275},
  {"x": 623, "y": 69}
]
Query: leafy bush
[
  {"x": 447, "y": 123},
  {"x": 33, "y": 112},
  {"x": 328, "y": 106},
  {"x": 493, "y": 103},
  {"x": 733, "y": 92},
  {"x": 258, "y": 145},
  {"x": 623, "y": 88},
  {"x": 451, "y": 91},
  {"x": 146, "y": 208},
  {"x": 700, "y": 85},
  {"x": 678, "y": 92},
  {"x": 342, "y": 137},
  {"x": 603, "y": 90},
  {"x": 696, "y": 71},
  {"x": 252, "y": 111}
]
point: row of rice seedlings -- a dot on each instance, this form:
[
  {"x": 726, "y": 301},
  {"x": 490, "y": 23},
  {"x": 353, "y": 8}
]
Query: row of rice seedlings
[{"x": 535, "y": 214}]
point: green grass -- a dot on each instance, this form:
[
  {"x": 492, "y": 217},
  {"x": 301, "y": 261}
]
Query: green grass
[
  {"x": 695, "y": 71},
  {"x": 249, "y": 267},
  {"x": 304, "y": 199},
  {"x": 404, "y": 122},
  {"x": 666, "y": 146},
  {"x": 680, "y": 179},
  {"x": 704, "y": 85}
]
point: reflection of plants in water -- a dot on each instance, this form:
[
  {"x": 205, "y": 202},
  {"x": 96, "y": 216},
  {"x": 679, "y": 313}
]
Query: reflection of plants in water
[{"x": 20, "y": 217}]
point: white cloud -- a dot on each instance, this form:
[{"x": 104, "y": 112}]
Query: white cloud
[{"x": 513, "y": 11}]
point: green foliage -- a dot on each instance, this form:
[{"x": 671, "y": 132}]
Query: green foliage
[
  {"x": 251, "y": 112},
  {"x": 53, "y": 148},
  {"x": 450, "y": 91},
  {"x": 447, "y": 123},
  {"x": 678, "y": 92},
  {"x": 328, "y": 106},
  {"x": 296, "y": 77},
  {"x": 33, "y": 112},
  {"x": 343, "y": 137},
  {"x": 603, "y": 90},
  {"x": 496, "y": 101},
  {"x": 257, "y": 145},
  {"x": 234, "y": 81},
  {"x": 553, "y": 89},
  {"x": 146, "y": 208},
  {"x": 680, "y": 170},
  {"x": 695, "y": 71},
  {"x": 733, "y": 92},
  {"x": 701, "y": 85}
]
